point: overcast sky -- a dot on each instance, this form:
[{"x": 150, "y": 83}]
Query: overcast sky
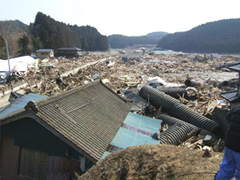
[{"x": 127, "y": 17}]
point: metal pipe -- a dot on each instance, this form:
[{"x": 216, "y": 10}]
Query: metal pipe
[
  {"x": 192, "y": 83},
  {"x": 6, "y": 44}
]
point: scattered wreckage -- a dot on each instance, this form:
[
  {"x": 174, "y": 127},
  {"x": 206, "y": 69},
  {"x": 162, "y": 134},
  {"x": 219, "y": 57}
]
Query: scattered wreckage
[{"x": 178, "y": 89}]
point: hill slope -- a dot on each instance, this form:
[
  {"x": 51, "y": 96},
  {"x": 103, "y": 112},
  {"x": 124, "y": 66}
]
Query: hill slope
[
  {"x": 155, "y": 162},
  {"x": 12, "y": 31},
  {"x": 45, "y": 32},
  {"x": 120, "y": 41},
  {"x": 54, "y": 34},
  {"x": 157, "y": 34},
  {"x": 215, "y": 37}
]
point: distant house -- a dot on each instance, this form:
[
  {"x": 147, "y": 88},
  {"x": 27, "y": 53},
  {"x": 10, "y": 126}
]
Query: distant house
[
  {"x": 44, "y": 53},
  {"x": 69, "y": 52},
  {"x": 56, "y": 136}
]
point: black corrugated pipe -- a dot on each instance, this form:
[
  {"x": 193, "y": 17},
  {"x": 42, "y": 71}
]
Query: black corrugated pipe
[
  {"x": 172, "y": 120},
  {"x": 178, "y": 110},
  {"x": 158, "y": 98},
  {"x": 192, "y": 83},
  {"x": 174, "y": 92},
  {"x": 176, "y": 134},
  {"x": 188, "y": 115}
]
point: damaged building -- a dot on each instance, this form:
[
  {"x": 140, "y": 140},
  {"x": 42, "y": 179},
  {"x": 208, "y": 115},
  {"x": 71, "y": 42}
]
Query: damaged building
[
  {"x": 54, "y": 137},
  {"x": 85, "y": 120},
  {"x": 69, "y": 52}
]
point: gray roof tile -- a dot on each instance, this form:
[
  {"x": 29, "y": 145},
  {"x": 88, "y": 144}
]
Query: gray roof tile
[{"x": 88, "y": 116}]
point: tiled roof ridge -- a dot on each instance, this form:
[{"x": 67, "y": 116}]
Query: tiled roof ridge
[
  {"x": 46, "y": 101},
  {"x": 72, "y": 91},
  {"x": 64, "y": 94}
]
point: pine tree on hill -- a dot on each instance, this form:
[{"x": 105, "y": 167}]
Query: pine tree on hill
[
  {"x": 24, "y": 43},
  {"x": 3, "y": 54},
  {"x": 54, "y": 34}
]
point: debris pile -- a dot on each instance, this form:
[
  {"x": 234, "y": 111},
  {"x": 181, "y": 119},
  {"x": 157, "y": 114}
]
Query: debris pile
[
  {"x": 155, "y": 162},
  {"x": 182, "y": 90},
  {"x": 193, "y": 83},
  {"x": 207, "y": 99},
  {"x": 120, "y": 75}
]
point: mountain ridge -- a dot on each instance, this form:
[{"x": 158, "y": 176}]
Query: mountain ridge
[
  {"x": 46, "y": 32},
  {"x": 221, "y": 36},
  {"x": 54, "y": 34},
  {"x": 122, "y": 41},
  {"x": 11, "y": 31}
]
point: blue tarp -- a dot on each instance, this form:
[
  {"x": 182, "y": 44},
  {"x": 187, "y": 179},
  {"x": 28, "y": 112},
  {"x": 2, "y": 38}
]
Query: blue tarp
[
  {"x": 143, "y": 122},
  {"x": 20, "y": 103},
  {"x": 128, "y": 137}
]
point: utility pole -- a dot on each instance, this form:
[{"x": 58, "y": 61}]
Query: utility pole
[
  {"x": 6, "y": 45},
  {"x": 9, "y": 69}
]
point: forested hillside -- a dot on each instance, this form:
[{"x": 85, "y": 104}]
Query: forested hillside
[
  {"x": 120, "y": 41},
  {"x": 12, "y": 31},
  {"x": 3, "y": 54},
  {"x": 215, "y": 37},
  {"x": 54, "y": 34},
  {"x": 157, "y": 34},
  {"x": 45, "y": 32}
]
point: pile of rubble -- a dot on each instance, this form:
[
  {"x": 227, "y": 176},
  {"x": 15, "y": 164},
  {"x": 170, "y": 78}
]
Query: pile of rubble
[
  {"x": 198, "y": 78},
  {"x": 122, "y": 76},
  {"x": 181, "y": 90},
  {"x": 155, "y": 162}
]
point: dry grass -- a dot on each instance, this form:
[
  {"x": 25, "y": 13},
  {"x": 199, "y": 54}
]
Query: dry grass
[{"x": 156, "y": 162}]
